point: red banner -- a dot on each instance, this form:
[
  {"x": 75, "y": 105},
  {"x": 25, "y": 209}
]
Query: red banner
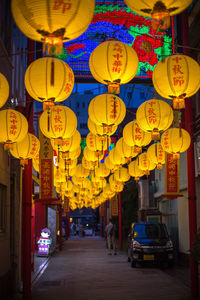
[
  {"x": 115, "y": 206},
  {"x": 46, "y": 167},
  {"x": 171, "y": 175}
]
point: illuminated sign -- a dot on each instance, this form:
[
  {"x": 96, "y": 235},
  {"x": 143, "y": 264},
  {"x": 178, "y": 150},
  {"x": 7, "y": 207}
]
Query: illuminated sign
[
  {"x": 114, "y": 20},
  {"x": 44, "y": 242}
]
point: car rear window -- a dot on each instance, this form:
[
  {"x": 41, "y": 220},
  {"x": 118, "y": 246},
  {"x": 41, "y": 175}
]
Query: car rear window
[{"x": 150, "y": 231}]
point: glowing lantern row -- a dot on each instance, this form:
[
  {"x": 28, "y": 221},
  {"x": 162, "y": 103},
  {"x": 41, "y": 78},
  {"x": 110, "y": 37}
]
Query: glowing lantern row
[
  {"x": 53, "y": 22},
  {"x": 14, "y": 127},
  {"x": 175, "y": 140},
  {"x": 159, "y": 11},
  {"x": 177, "y": 77},
  {"x": 134, "y": 170},
  {"x": 134, "y": 136},
  {"x": 121, "y": 175},
  {"x": 145, "y": 164},
  {"x": 156, "y": 155},
  {"x": 107, "y": 110},
  {"x": 4, "y": 90},
  {"x": 113, "y": 63},
  {"x": 99, "y": 129},
  {"x": 70, "y": 144},
  {"x": 60, "y": 124},
  {"x": 26, "y": 149},
  {"x": 154, "y": 116},
  {"x": 125, "y": 150},
  {"x": 49, "y": 80}
]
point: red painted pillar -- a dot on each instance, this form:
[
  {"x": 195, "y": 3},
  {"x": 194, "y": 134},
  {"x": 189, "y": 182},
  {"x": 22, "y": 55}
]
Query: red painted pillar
[
  {"x": 67, "y": 228},
  {"x": 27, "y": 197},
  {"x": 120, "y": 221},
  {"x": 191, "y": 170},
  {"x": 60, "y": 228}
]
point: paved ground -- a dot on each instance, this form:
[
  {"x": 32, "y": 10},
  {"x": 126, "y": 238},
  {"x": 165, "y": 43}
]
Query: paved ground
[{"x": 83, "y": 270}]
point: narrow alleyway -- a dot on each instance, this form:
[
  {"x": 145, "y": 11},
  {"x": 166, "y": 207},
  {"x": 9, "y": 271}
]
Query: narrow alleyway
[{"x": 84, "y": 271}]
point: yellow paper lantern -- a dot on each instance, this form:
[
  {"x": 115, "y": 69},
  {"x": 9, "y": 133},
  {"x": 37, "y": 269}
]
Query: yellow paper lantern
[
  {"x": 68, "y": 186},
  {"x": 87, "y": 164},
  {"x": 49, "y": 80},
  {"x": 14, "y": 127},
  {"x": 96, "y": 143},
  {"x": 115, "y": 186},
  {"x": 175, "y": 140},
  {"x": 145, "y": 164},
  {"x": 100, "y": 130},
  {"x": 159, "y": 11},
  {"x": 121, "y": 175},
  {"x": 134, "y": 136},
  {"x": 154, "y": 116},
  {"x": 67, "y": 163},
  {"x": 156, "y": 155},
  {"x": 177, "y": 77},
  {"x": 69, "y": 194},
  {"x": 125, "y": 150},
  {"x": 113, "y": 63},
  {"x": 107, "y": 110},
  {"x": 115, "y": 158},
  {"x": 26, "y": 149},
  {"x": 71, "y": 155},
  {"x": 95, "y": 178},
  {"x": 108, "y": 193},
  {"x": 70, "y": 144},
  {"x": 4, "y": 90},
  {"x": 53, "y": 22},
  {"x": 110, "y": 165},
  {"x": 134, "y": 170},
  {"x": 81, "y": 171},
  {"x": 60, "y": 124},
  {"x": 91, "y": 156},
  {"x": 102, "y": 170}
]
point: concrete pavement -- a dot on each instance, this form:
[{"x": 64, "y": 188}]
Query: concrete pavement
[{"x": 84, "y": 271}]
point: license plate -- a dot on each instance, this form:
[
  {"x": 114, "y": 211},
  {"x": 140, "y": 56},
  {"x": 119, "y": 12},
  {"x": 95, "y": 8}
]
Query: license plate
[{"x": 148, "y": 257}]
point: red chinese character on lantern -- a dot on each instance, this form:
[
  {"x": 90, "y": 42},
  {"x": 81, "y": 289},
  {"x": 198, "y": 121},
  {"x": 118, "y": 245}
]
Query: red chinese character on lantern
[
  {"x": 67, "y": 88},
  {"x": 178, "y": 80},
  {"x": 57, "y": 119},
  {"x": 70, "y": 77},
  {"x": 13, "y": 129},
  {"x": 61, "y": 4}
]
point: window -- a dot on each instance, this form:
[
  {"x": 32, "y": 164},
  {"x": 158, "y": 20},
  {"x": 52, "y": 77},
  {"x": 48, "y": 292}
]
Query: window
[
  {"x": 83, "y": 104},
  {"x": 77, "y": 104},
  {"x": 3, "y": 197}
]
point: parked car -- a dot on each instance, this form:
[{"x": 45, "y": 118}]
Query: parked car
[{"x": 150, "y": 242}]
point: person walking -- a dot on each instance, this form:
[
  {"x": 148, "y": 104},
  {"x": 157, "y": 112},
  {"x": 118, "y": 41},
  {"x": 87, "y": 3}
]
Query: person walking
[{"x": 110, "y": 231}]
